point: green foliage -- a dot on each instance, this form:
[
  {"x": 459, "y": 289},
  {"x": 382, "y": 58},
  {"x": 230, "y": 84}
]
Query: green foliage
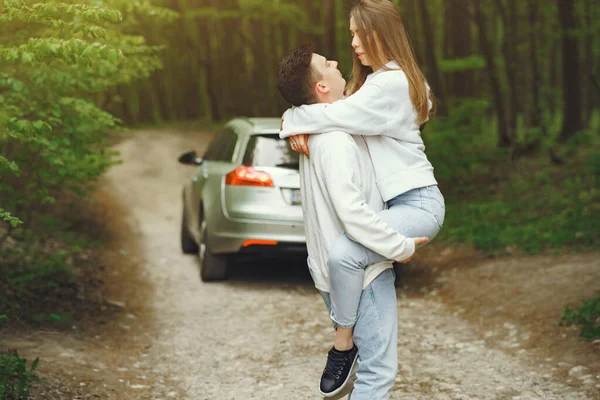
[
  {"x": 15, "y": 377},
  {"x": 497, "y": 204},
  {"x": 587, "y": 315},
  {"x": 34, "y": 273},
  {"x": 462, "y": 64},
  {"x": 59, "y": 59},
  {"x": 39, "y": 275},
  {"x": 593, "y": 166},
  {"x": 286, "y": 12}
]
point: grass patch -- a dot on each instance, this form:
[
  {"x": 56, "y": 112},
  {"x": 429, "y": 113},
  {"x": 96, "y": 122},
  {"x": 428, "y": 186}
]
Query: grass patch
[
  {"x": 501, "y": 205},
  {"x": 587, "y": 315},
  {"x": 15, "y": 376},
  {"x": 49, "y": 276}
]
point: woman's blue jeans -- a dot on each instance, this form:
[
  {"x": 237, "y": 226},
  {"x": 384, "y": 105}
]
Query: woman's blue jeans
[{"x": 416, "y": 213}]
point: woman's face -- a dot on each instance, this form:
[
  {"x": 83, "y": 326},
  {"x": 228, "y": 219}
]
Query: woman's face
[{"x": 358, "y": 46}]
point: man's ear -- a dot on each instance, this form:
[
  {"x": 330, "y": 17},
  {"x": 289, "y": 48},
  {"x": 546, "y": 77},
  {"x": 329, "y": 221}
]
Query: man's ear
[{"x": 321, "y": 87}]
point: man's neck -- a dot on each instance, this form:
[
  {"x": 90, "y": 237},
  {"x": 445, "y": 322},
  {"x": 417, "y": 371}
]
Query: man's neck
[{"x": 327, "y": 99}]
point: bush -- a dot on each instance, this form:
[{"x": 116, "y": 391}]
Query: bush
[
  {"x": 587, "y": 315},
  {"x": 59, "y": 61},
  {"x": 499, "y": 204},
  {"x": 15, "y": 377},
  {"x": 61, "y": 65}
]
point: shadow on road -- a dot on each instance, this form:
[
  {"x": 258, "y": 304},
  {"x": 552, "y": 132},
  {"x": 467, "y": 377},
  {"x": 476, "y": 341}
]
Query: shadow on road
[{"x": 288, "y": 272}]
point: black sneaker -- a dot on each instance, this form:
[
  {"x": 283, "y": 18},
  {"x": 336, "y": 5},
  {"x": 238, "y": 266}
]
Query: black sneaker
[{"x": 338, "y": 370}]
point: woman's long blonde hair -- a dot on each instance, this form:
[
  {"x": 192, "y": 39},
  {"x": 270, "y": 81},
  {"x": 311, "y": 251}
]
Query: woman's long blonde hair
[{"x": 381, "y": 19}]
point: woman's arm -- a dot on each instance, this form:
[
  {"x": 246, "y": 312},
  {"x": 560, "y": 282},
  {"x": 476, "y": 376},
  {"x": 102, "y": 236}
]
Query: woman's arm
[
  {"x": 383, "y": 106},
  {"x": 363, "y": 113}
]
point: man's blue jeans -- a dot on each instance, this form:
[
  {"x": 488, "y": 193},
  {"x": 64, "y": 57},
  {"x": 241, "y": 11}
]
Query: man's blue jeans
[{"x": 376, "y": 336}]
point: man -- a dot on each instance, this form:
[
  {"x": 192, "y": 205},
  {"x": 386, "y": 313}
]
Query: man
[{"x": 340, "y": 194}]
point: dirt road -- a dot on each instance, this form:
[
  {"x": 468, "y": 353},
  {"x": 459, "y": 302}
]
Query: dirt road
[{"x": 264, "y": 334}]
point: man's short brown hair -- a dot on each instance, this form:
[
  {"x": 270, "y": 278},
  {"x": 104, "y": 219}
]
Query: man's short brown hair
[{"x": 296, "y": 77}]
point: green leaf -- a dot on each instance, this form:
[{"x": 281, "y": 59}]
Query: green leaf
[
  {"x": 113, "y": 56},
  {"x": 35, "y": 364},
  {"x": 27, "y": 58},
  {"x": 17, "y": 86}
]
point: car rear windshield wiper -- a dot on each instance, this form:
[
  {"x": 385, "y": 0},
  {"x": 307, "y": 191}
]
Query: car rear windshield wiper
[{"x": 292, "y": 165}]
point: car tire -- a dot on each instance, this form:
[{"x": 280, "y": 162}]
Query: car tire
[
  {"x": 213, "y": 267},
  {"x": 188, "y": 244}
]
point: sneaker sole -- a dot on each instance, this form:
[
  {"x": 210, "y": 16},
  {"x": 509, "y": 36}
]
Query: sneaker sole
[{"x": 338, "y": 390}]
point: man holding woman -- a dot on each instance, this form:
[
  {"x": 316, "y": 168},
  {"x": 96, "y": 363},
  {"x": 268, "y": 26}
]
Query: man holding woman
[{"x": 387, "y": 101}]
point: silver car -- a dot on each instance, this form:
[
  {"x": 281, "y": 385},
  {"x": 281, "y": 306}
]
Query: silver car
[{"x": 244, "y": 198}]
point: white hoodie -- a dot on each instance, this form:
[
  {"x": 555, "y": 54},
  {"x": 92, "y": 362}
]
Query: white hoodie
[
  {"x": 339, "y": 195},
  {"x": 382, "y": 111}
]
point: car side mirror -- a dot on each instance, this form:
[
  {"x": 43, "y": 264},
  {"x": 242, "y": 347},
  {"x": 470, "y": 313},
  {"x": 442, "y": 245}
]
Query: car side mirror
[{"x": 190, "y": 158}]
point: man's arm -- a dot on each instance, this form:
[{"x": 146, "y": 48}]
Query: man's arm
[{"x": 361, "y": 223}]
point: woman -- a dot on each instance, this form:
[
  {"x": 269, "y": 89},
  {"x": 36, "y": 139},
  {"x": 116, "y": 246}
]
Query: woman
[{"x": 388, "y": 101}]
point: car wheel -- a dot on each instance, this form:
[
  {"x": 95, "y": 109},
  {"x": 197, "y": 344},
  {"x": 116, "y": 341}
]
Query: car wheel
[
  {"x": 212, "y": 267},
  {"x": 188, "y": 244}
]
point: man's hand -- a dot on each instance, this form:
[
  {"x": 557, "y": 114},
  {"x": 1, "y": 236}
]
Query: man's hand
[
  {"x": 418, "y": 241},
  {"x": 299, "y": 143}
]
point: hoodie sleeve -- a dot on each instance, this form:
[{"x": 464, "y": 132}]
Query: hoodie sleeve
[
  {"x": 380, "y": 107},
  {"x": 360, "y": 222},
  {"x": 364, "y": 113}
]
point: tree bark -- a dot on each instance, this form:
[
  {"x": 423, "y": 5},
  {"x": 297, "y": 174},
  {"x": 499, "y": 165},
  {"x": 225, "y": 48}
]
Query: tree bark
[
  {"x": 588, "y": 63},
  {"x": 412, "y": 24},
  {"x": 211, "y": 76},
  {"x": 536, "y": 82},
  {"x": 571, "y": 80},
  {"x": 511, "y": 61},
  {"x": 329, "y": 20},
  {"x": 536, "y": 113},
  {"x": 459, "y": 45},
  {"x": 504, "y": 140},
  {"x": 431, "y": 60}
]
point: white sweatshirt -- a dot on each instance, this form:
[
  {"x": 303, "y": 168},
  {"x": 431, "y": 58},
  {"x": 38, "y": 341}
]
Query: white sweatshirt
[
  {"x": 339, "y": 195},
  {"x": 383, "y": 112}
]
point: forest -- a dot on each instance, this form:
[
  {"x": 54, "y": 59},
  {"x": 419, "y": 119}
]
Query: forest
[
  {"x": 515, "y": 142},
  {"x": 516, "y": 85}
]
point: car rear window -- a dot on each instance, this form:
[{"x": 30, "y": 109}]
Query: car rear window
[{"x": 268, "y": 150}]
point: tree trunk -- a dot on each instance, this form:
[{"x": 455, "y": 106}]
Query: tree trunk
[
  {"x": 571, "y": 80},
  {"x": 511, "y": 61},
  {"x": 432, "y": 66},
  {"x": 259, "y": 75},
  {"x": 498, "y": 99},
  {"x": 588, "y": 63},
  {"x": 536, "y": 113},
  {"x": 536, "y": 82},
  {"x": 329, "y": 20},
  {"x": 459, "y": 45},
  {"x": 210, "y": 75},
  {"x": 412, "y": 24}
]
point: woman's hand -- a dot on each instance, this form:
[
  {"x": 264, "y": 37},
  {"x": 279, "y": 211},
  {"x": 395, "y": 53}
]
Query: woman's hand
[
  {"x": 418, "y": 241},
  {"x": 299, "y": 143}
]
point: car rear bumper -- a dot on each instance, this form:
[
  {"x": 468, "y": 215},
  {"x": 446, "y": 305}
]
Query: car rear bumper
[
  {"x": 281, "y": 249},
  {"x": 228, "y": 235}
]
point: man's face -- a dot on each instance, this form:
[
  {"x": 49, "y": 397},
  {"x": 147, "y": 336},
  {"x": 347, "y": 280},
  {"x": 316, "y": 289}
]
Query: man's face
[{"x": 331, "y": 83}]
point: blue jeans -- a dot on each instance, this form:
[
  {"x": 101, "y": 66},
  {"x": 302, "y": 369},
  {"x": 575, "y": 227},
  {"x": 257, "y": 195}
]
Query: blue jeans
[
  {"x": 418, "y": 212},
  {"x": 376, "y": 336}
]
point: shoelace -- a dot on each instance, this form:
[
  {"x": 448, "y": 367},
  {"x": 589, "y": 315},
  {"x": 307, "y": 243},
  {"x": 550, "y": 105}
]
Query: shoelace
[{"x": 334, "y": 365}]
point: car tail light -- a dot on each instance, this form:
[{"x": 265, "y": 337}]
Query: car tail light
[
  {"x": 248, "y": 176},
  {"x": 259, "y": 243}
]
